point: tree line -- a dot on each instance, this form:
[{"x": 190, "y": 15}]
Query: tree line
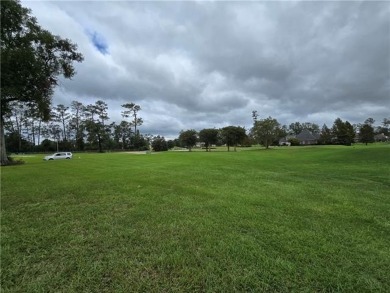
[
  {"x": 269, "y": 131},
  {"x": 77, "y": 127},
  {"x": 80, "y": 127}
]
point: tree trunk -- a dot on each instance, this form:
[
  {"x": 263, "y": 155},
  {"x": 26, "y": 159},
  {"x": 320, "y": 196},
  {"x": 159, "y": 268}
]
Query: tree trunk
[
  {"x": 135, "y": 123},
  {"x": 100, "y": 144},
  {"x": 33, "y": 132},
  {"x": 19, "y": 127},
  {"x": 39, "y": 131},
  {"x": 3, "y": 153}
]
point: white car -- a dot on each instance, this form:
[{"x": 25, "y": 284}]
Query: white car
[{"x": 58, "y": 156}]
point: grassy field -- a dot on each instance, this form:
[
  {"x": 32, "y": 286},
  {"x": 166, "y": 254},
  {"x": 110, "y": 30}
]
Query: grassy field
[{"x": 305, "y": 219}]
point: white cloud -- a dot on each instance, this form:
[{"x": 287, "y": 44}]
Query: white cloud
[{"x": 209, "y": 64}]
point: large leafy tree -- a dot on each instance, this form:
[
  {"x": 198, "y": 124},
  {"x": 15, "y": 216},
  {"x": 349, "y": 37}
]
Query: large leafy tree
[
  {"x": 32, "y": 59},
  {"x": 22, "y": 123},
  {"x": 131, "y": 110},
  {"x": 369, "y": 121},
  {"x": 77, "y": 111},
  {"x": 383, "y": 127},
  {"x": 296, "y": 128},
  {"x": 61, "y": 115},
  {"x": 209, "y": 136},
  {"x": 13, "y": 122},
  {"x": 326, "y": 135},
  {"x": 188, "y": 138},
  {"x": 122, "y": 134},
  {"x": 97, "y": 115},
  {"x": 266, "y": 131},
  {"x": 366, "y": 133},
  {"x": 386, "y": 122},
  {"x": 233, "y": 135},
  {"x": 343, "y": 132},
  {"x": 159, "y": 144}
]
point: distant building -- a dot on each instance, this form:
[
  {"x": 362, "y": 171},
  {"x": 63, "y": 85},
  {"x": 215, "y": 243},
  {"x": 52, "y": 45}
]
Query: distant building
[
  {"x": 306, "y": 137},
  {"x": 285, "y": 140},
  {"x": 381, "y": 137}
]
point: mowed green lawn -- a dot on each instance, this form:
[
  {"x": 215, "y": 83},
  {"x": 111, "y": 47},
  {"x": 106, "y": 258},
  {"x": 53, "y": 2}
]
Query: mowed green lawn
[{"x": 306, "y": 219}]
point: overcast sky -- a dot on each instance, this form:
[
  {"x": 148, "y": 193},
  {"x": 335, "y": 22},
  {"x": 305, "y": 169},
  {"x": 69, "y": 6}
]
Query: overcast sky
[{"x": 195, "y": 65}]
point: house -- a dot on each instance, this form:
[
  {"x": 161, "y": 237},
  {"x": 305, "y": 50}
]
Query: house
[
  {"x": 381, "y": 137},
  {"x": 285, "y": 140},
  {"x": 305, "y": 137}
]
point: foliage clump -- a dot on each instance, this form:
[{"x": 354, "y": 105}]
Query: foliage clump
[
  {"x": 159, "y": 144},
  {"x": 32, "y": 59},
  {"x": 13, "y": 161},
  {"x": 294, "y": 141}
]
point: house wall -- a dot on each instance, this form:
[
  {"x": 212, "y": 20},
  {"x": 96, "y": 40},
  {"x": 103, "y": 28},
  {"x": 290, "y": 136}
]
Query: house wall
[{"x": 308, "y": 142}]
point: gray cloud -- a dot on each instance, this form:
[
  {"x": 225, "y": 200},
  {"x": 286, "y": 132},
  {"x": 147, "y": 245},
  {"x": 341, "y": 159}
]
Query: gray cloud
[{"x": 209, "y": 64}]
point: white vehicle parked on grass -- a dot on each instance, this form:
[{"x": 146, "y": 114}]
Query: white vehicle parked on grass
[{"x": 58, "y": 156}]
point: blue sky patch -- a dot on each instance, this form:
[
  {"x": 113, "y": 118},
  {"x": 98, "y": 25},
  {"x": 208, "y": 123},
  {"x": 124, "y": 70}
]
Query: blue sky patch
[{"x": 98, "y": 41}]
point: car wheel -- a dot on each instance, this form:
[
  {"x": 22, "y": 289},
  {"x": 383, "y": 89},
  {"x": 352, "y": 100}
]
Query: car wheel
[
  {"x": 67, "y": 158},
  {"x": 51, "y": 159}
]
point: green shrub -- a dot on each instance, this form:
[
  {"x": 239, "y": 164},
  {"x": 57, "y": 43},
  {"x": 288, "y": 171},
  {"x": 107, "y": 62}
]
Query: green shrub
[
  {"x": 294, "y": 141},
  {"x": 13, "y": 161}
]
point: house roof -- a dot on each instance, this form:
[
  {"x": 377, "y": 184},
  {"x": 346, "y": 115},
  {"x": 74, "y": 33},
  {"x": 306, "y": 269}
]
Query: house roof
[{"x": 306, "y": 135}]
